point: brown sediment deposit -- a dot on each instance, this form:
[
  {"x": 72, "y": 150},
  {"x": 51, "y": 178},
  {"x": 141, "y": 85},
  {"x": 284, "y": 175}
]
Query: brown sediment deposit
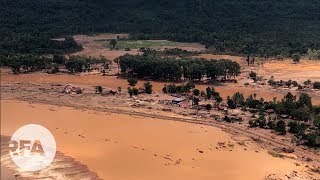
[
  {"x": 120, "y": 146},
  {"x": 225, "y": 90},
  {"x": 286, "y": 70},
  {"x": 105, "y": 136}
]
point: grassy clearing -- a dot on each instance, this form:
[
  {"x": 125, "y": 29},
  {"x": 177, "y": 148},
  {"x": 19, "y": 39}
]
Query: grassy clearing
[{"x": 152, "y": 44}]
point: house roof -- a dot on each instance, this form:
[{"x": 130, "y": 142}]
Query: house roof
[{"x": 177, "y": 100}]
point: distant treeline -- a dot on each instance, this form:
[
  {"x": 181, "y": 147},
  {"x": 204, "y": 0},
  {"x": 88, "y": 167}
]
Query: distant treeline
[
  {"x": 164, "y": 68},
  {"x": 38, "y": 45},
  {"x": 169, "y": 52},
  {"x": 265, "y": 28},
  {"x": 25, "y": 63}
]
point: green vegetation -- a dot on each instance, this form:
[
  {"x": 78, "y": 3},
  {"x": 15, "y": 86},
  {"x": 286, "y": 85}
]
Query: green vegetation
[
  {"x": 211, "y": 93},
  {"x": 164, "y": 68},
  {"x": 312, "y": 139},
  {"x": 237, "y": 100},
  {"x": 145, "y": 44},
  {"x": 316, "y": 85},
  {"x": 316, "y": 121},
  {"x": 36, "y": 45},
  {"x": 132, "y": 91},
  {"x": 307, "y": 82},
  {"x": 271, "y": 124},
  {"x": 185, "y": 89},
  {"x": 297, "y": 128},
  {"x": 313, "y": 54},
  {"x": 148, "y": 87},
  {"x": 296, "y": 57},
  {"x": 98, "y": 89},
  {"x": 253, "y": 76},
  {"x": 178, "y": 52},
  {"x": 195, "y": 101},
  {"x": 281, "y": 127},
  {"x": 58, "y": 59},
  {"x": 208, "y": 107},
  {"x": 77, "y": 64},
  {"x": 288, "y": 83},
  {"x": 266, "y": 28},
  {"x": 27, "y": 63},
  {"x": 30, "y": 63},
  {"x": 132, "y": 82},
  {"x": 113, "y": 43},
  {"x": 168, "y": 52},
  {"x": 54, "y": 68},
  {"x": 180, "y": 89},
  {"x": 299, "y": 110},
  {"x": 262, "y": 122},
  {"x": 196, "y": 92}
]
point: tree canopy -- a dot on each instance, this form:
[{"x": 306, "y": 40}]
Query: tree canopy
[
  {"x": 263, "y": 27},
  {"x": 166, "y": 68}
]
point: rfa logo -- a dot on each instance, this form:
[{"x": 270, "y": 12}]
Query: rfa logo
[
  {"x": 32, "y": 147},
  {"x": 26, "y": 146}
]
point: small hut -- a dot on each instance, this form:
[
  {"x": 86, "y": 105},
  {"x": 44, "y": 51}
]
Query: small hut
[{"x": 177, "y": 100}]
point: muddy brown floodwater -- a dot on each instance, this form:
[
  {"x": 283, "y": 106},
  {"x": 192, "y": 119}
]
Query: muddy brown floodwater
[{"x": 120, "y": 146}]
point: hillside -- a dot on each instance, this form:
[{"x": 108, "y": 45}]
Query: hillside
[{"x": 264, "y": 27}]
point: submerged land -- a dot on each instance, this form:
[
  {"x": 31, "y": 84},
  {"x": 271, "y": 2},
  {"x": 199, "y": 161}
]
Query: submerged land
[
  {"x": 116, "y": 136},
  {"x": 157, "y": 148},
  {"x": 170, "y": 89}
]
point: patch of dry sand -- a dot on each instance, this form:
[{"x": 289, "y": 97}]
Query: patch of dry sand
[
  {"x": 280, "y": 69},
  {"x": 118, "y": 146},
  {"x": 286, "y": 70}
]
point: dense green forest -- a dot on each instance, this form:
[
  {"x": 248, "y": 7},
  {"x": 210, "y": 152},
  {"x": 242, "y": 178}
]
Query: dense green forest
[
  {"x": 164, "y": 68},
  {"x": 263, "y": 27}
]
